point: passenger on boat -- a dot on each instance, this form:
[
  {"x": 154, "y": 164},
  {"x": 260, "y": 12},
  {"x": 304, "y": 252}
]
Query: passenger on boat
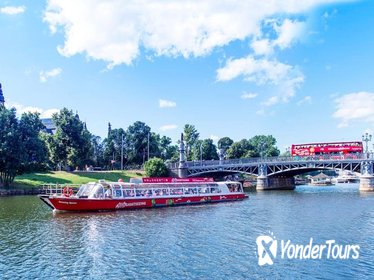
[{"x": 108, "y": 192}]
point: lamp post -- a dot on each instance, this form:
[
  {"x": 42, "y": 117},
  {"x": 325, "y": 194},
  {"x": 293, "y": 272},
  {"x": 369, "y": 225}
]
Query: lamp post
[
  {"x": 262, "y": 147},
  {"x": 366, "y": 138},
  {"x": 148, "y": 147},
  {"x": 201, "y": 153},
  {"x": 122, "y": 152},
  {"x": 288, "y": 151}
]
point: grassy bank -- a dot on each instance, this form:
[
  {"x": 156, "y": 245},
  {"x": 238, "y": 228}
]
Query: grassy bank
[{"x": 62, "y": 177}]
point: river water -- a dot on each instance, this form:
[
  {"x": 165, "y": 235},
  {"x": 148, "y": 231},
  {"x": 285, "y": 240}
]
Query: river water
[{"x": 216, "y": 241}]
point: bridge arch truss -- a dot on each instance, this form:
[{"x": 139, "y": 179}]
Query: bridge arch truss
[{"x": 279, "y": 168}]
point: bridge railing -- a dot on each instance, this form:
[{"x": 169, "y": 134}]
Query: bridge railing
[{"x": 241, "y": 161}]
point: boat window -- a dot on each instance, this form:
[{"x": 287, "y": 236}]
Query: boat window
[
  {"x": 148, "y": 193},
  {"x": 176, "y": 191},
  {"x": 156, "y": 192},
  {"x": 99, "y": 192},
  {"x": 203, "y": 190},
  {"x": 128, "y": 193},
  {"x": 87, "y": 190},
  {"x": 215, "y": 190},
  {"x": 234, "y": 187},
  {"x": 143, "y": 192},
  {"x": 117, "y": 191}
]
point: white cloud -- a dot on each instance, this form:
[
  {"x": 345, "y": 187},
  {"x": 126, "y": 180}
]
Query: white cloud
[
  {"x": 249, "y": 95},
  {"x": 12, "y": 10},
  {"x": 306, "y": 99},
  {"x": 48, "y": 113},
  {"x": 45, "y": 75},
  {"x": 285, "y": 78},
  {"x": 288, "y": 32},
  {"x": 358, "y": 106},
  {"x": 215, "y": 138},
  {"x": 168, "y": 127},
  {"x": 44, "y": 113},
  {"x": 166, "y": 103},
  {"x": 262, "y": 47},
  {"x": 115, "y": 31},
  {"x": 271, "y": 101}
]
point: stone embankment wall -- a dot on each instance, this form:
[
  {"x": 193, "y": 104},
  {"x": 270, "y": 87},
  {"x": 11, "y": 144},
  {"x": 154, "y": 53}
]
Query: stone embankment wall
[{"x": 32, "y": 191}]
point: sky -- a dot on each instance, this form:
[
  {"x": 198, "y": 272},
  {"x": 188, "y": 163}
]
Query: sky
[{"x": 301, "y": 71}]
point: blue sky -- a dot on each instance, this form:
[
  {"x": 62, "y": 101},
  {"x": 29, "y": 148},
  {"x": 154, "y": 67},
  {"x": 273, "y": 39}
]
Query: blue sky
[{"x": 299, "y": 70}]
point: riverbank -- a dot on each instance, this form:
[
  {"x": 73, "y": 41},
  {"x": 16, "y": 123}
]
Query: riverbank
[{"x": 31, "y": 183}]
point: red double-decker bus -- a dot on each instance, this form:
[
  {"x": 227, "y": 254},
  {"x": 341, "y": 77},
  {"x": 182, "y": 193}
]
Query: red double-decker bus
[{"x": 333, "y": 148}]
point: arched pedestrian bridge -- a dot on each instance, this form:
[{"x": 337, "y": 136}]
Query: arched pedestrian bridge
[{"x": 278, "y": 172}]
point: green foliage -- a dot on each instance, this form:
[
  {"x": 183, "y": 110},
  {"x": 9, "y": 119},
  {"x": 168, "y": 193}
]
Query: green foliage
[
  {"x": 168, "y": 151},
  {"x": 257, "y": 146},
  {"x": 112, "y": 148},
  {"x": 24, "y": 147},
  {"x": 155, "y": 167},
  {"x": 190, "y": 136},
  {"x": 204, "y": 150},
  {"x": 71, "y": 145},
  {"x": 225, "y": 143},
  {"x": 239, "y": 149},
  {"x": 36, "y": 151},
  {"x": 137, "y": 142},
  {"x": 264, "y": 145},
  {"x": 21, "y": 148},
  {"x": 98, "y": 151}
]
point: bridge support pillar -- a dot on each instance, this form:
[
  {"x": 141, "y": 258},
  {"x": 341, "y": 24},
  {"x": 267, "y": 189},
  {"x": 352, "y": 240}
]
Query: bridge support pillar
[
  {"x": 367, "y": 177},
  {"x": 367, "y": 183},
  {"x": 182, "y": 168},
  {"x": 275, "y": 183},
  {"x": 262, "y": 183}
]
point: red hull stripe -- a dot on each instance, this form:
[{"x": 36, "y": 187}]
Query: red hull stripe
[{"x": 81, "y": 204}]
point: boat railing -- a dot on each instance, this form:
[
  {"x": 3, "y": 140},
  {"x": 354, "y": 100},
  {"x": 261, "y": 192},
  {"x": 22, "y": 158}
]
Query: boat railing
[{"x": 57, "y": 189}]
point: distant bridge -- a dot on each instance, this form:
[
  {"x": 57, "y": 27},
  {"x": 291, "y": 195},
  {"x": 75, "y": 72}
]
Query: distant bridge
[{"x": 278, "y": 172}]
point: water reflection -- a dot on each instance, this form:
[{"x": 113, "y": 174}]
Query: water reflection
[{"x": 214, "y": 241}]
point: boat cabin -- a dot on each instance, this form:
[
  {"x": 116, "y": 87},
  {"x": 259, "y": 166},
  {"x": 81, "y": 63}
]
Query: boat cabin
[{"x": 120, "y": 190}]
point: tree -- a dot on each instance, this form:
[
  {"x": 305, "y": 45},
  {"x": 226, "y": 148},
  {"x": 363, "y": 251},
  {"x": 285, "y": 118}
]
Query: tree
[
  {"x": 12, "y": 151},
  {"x": 21, "y": 148},
  {"x": 264, "y": 145},
  {"x": 71, "y": 145},
  {"x": 136, "y": 141},
  {"x": 168, "y": 151},
  {"x": 190, "y": 136},
  {"x": 204, "y": 149},
  {"x": 112, "y": 147},
  {"x": 30, "y": 127},
  {"x": 225, "y": 143},
  {"x": 98, "y": 151},
  {"x": 239, "y": 149},
  {"x": 155, "y": 167}
]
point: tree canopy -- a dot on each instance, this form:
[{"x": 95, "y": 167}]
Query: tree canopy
[
  {"x": 155, "y": 167},
  {"x": 70, "y": 146},
  {"x": 25, "y": 146},
  {"x": 21, "y": 146}
]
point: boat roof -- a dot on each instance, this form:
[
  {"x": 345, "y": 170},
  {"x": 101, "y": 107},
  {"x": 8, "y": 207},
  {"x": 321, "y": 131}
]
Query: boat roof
[{"x": 137, "y": 185}]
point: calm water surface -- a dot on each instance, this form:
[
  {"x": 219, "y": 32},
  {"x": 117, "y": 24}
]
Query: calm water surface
[{"x": 189, "y": 242}]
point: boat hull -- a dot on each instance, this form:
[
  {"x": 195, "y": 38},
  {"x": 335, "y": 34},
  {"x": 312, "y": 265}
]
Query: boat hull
[{"x": 61, "y": 203}]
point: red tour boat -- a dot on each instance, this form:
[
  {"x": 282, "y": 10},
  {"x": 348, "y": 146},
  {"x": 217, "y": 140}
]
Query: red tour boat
[{"x": 150, "y": 192}]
